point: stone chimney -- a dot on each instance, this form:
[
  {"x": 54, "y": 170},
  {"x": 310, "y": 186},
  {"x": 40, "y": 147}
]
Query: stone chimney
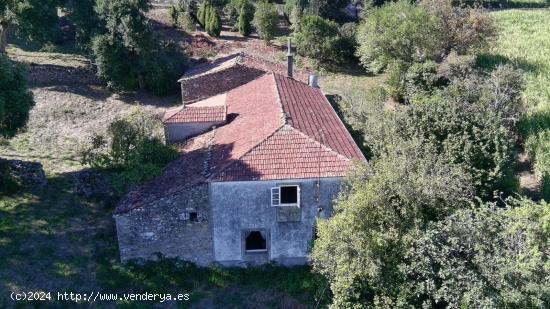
[{"x": 290, "y": 59}]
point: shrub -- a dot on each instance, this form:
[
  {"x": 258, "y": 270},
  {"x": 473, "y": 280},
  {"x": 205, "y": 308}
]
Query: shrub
[
  {"x": 245, "y": 26},
  {"x": 133, "y": 146},
  {"x": 318, "y": 38},
  {"x": 329, "y": 9},
  {"x": 201, "y": 13},
  {"x": 399, "y": 31},
  {"x": 164, "y": 69},
  {"x": 16, "y": 100},
  {"x": 347, "y": 42},
  {"x": 173, "y": 12},
  {"x": 186, "y": 22},
  {"x": 462, "y": 121},
  {"x": 464, "y": 28},
  {"x": 265, "y": 20},
  {"x": 214, "y": 22},
  {"x": 239, "y": 12}
]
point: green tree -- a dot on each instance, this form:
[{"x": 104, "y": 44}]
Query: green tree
[
  {"x": 246, "y": 14},
  {"x": 470, "y": 121},
  {"x": 85, "y": 19},
  {"x": 318, "y": 38},
  {"x": 265, "y": 20},
  {"x": 484, "y": 257},
  {"x": 34, "y": 19},
  {"x": 213, "y": 23},
  {"x": 201, "y": 14},
  {"x": 399, "y": 31},
  {"x": 329, "y": 9},
  {"x": 361, "y": 249},
  {"x": 16, "y": 100},
  {"x": 464, "y": 29},
  {"x": 128, "y": 54}
]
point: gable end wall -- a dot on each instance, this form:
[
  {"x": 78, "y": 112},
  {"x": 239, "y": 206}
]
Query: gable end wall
[{"x": 163, "y": 227}]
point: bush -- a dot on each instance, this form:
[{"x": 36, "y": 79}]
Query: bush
[
  {"x": 185, "y": 22},
  {"x": 462, "y": 121},
  {"x": 245, "y": 23},
  {"x": 265, "y": 20},
  {"x": 399, "y": 31},
  {"x": 132, "y": 146},
  {"x": 201, "y": 13},
  {"x": 16, "y": 100},
  {"x": 329, "y": 9},
  {"x": 165, "y": 67},
  {"x": 213, "y": 23},
  {"x": 318, "y": 39},
  {"x": 464, "y": 29},
  {"x": 347, "y": 42}
]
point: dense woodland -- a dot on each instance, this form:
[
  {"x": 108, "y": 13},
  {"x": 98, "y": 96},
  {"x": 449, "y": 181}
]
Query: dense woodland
[{"x": 437, "y": 218}]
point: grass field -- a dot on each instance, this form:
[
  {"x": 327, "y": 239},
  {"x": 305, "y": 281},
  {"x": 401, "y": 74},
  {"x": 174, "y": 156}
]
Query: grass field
[{"x": 525, "y": 41}]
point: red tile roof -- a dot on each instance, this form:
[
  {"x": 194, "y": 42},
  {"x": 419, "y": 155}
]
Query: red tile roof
[
  {"x": 276, "y": 126},
  {"x": 187, "y": 114},
  {"x": 309, "y": 111},
  {"x": 286, "y": 154}
]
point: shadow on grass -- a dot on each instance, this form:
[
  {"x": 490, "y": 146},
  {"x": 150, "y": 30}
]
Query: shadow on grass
[
  {"x": 506, "y": 4},
  {"x": 66, "y": 47},
  {"x": 491, "y": 61}
]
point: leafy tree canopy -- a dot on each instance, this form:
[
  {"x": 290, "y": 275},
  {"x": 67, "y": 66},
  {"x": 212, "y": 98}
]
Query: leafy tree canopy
[
  {"x": 34, "y": 19},
  {"x": 16, "y": 100},
  {"x": 266, "y": 20}
]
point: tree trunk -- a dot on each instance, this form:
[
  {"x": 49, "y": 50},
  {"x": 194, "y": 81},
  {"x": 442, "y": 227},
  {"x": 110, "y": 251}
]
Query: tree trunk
[{"x": 3, "y": 36}]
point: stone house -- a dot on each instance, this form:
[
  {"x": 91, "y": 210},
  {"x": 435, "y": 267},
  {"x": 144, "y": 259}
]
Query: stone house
[{"x": 261, "y": 162}]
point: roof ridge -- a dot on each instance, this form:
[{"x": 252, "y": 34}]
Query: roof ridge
[
  {"x": 221, "y": 170},
  {"x": 278, "y": 99}
]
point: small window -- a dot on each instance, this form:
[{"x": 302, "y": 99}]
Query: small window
[
  {"x": 285, "y": 196},
  {"x": 193, "y": 217},
  {"x": 289, "y": 195},
  {"x": 255, "y": 242}
]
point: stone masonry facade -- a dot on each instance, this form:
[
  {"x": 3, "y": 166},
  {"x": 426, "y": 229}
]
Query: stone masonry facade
[{"x": 175, "y": 226}]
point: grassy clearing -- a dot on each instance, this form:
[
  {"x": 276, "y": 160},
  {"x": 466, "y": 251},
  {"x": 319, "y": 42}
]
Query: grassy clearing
[
  {"x": 525, "y": 42},
  {"x": 53, "y": 240}
]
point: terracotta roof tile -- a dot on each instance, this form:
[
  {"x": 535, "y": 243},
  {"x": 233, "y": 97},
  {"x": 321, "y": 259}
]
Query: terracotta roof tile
[
  {"x": 309, "y": 111},
  {"x": 278, "y": 123},
  {"x": 286, "y": 154},
  {"x": 188, "y": 114}
]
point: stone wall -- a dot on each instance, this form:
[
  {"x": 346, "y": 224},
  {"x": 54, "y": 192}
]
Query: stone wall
[
  {"x": 173, "y": 226},
  {"x": 209, "y": 85},
  {"x": 243, "y": 206}
]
